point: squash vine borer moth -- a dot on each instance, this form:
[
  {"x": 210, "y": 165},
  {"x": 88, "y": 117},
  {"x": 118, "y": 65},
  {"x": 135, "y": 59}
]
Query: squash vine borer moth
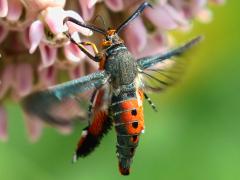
[{"x": 119, "y": 87}]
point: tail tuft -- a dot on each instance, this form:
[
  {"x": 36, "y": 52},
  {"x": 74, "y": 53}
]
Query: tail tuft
[{"x": 124, "y": 171}]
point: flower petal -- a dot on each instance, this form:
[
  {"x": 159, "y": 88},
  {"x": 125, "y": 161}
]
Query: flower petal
[
  {"x": 91, "y": 66},
  {"x": 75, "y": 37},
  {"x": 160, "y": 18},
  {"x": 39, "y": 5},
  {"x": 54, "y": 19},
  {"x": 25, "y": 38},
  {"x": 34, "y": 127},
  {"x": 188, "y": 8},
  {"x": 115, "y": 5},
  {"x": 15, "y": 9},
  {"x": 3, "y": 124},
  {"x": 73, "y": 27},
  {"x": 136, "y": 36},
  {"x": 156, "y": 44},
  {"x": 3, "y": 8},
  {"x": 64, "y": 130},
  {"x": 3, "y": 33},
  {"x": 77, "y": 71},
  {"x": 48, "y": 55},
  {"x": 7, "y": 78},
  {"x": 48, "y": 76},
  {"x": 92, "y": 3},
  {"x": 73, "y": 53},
  {"x": 176, "y": 16},
  {"x": 86, "y": 11},
  {"x": 165, "y": 17},
  {"x": 24, "y": 79},
  {"x": 204, "y": 15},
  {"x": 36, "y": 33}
]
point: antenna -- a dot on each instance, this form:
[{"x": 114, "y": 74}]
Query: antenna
[
  {"x": 89, "y": 26},
  {"x": 133, "y": 16},
  {"x": 102, "y": 20}
]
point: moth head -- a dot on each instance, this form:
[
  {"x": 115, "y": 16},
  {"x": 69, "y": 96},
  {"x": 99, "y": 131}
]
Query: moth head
[
  {"x": 111, "y": 35},
  {"x": 111, "y": 38}
]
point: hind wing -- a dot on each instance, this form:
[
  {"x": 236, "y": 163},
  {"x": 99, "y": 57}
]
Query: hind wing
[{"x": 100, "y": 125}]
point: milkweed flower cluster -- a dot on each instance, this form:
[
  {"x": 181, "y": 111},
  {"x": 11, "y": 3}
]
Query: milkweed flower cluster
[{"x": 34, "y": 49}]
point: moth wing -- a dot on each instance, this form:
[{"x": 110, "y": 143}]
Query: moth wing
[
  {"x": 158, "y": 72},
  {"x": 100, "y": 125},
  {"x": 61, "y": 104}
]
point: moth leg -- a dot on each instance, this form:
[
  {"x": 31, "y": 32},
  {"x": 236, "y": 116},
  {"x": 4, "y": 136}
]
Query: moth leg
[
  {"x": 88, "y": 43},
  {"x": 150, "y": 102},
  {"x": 83, "y": 49}
]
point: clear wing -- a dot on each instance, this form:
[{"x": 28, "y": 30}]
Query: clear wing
[
  {"x": 61, "y": 104},
  {"x": 161, "y": 71}
]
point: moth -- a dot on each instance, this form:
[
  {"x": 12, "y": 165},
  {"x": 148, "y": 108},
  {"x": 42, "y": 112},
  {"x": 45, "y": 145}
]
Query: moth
[{"x": 119, "y": 87}]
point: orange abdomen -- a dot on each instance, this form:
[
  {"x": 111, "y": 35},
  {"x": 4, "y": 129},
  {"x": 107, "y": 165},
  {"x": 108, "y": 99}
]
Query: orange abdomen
[
  {"x": 129, "y": 123},
  {"x": 131, "y": 117}
]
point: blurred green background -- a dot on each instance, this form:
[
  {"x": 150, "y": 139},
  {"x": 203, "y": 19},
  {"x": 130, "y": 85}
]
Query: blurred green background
[{"x": 194, "y": 136}]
